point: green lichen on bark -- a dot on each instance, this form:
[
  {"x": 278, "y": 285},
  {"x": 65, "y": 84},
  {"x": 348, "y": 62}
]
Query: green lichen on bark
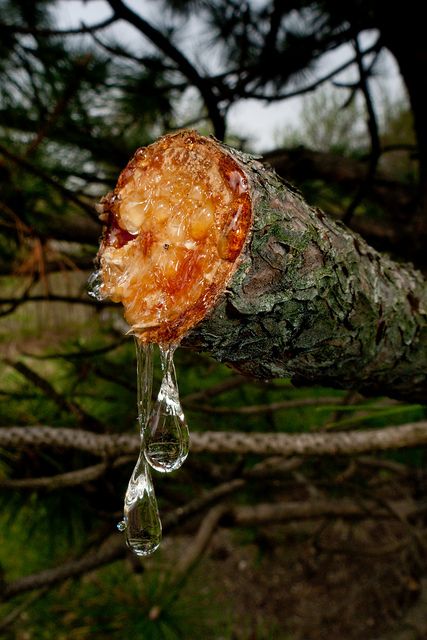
[{"x": 311, "y": 300}]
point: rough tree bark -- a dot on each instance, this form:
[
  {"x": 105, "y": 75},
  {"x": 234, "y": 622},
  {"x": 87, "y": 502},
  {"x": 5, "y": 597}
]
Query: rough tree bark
[{"x": 307, "y": 297}]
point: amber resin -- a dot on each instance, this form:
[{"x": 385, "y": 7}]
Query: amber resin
[{"x": 175, "y": 225}]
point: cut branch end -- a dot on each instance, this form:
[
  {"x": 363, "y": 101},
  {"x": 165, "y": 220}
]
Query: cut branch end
[{"x": 175, "y": 226}]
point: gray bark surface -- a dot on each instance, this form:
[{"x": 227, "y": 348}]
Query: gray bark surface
[{"x": 312, "y": 301}]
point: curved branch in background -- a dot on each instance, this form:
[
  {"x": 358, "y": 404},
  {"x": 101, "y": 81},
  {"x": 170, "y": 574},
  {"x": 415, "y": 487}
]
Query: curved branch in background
[
  {"x": 111, "y": 550},
  {"x": 61, "y": 401},
  {"x": 312, "y": 86},
  {"x": 16, "y": 302},
  {"x": 61, "y": 480},
  {"x": 66, "y": 193},
  {"x": 301, "y": 164},
  {"x": 35, "y": 31},
  {"x": 68, "y": 479}
]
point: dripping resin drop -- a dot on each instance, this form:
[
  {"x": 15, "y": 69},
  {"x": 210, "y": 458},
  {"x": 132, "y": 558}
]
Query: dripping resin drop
[
  {"x": 166, "y": 433},
  {"x": 141, "y": 524},
  {"x": 174, "y": 227}
]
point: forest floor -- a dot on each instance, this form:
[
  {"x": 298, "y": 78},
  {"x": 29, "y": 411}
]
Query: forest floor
[{"x": 306, "y": 582}]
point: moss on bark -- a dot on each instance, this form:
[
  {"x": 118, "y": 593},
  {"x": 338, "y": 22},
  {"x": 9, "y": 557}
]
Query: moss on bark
[{"x": 311, "y": 300}]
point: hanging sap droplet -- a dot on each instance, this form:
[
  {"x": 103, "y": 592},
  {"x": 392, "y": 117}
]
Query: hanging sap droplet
[
  {"x": 95, "y": 285},
  {"x": 232, "y": 235},
  {"x": 121, "y": 526},
  {"x": 166, "y": 434},
  {"x": 144, "y": 381},
  {"x": 142, "y": 525}
]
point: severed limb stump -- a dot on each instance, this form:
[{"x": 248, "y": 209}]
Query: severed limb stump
[{"x": 205, "y": 245}]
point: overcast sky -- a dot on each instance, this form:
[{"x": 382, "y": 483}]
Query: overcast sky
[{"x": 251, "y": 119}]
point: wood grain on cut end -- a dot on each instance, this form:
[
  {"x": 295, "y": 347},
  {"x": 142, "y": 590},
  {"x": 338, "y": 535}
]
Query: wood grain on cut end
[{"x": 176, "y": 224}]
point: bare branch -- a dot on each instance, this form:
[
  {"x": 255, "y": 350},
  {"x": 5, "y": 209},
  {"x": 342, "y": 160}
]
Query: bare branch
[
  {"x": 284, "y": 444},
  {"x": 66, "y": 193},
  {"x": 313, "y": 509},
  {"x": 225, "y": 385},
  {"x": 110, "y": 551},
  {"x": 78, "y": 355},
  {"x": 34, "y": 31},
  {"x": 68, "y": 479},
  {"x": 200, "y": 542},
  {"x": 66, "y": 405},
  {"x": 202, "y": 502},
  {"x": 53, "y": 298}
]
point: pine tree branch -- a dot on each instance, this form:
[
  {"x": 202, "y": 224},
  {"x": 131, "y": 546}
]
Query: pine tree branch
[
  {"x": 68, "y": 479},
  {"x": 311, "y": 300},
  {"x": 284, "y": 444},
  {"x": 255, "y": 409},
  {"x": 165, "y": 45}
]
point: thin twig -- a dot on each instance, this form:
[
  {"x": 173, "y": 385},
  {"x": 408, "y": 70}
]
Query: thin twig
[
  {"x": 221, "y": 387},
  {"x": 373, "y": 130},
  {"x": 35, "y": 31},
  {"x": 110, "y": 551},
  {"x": 200, "y": 541},
  {"x": 55, "y": 298},
  {"x": 68, "y": 479},
  {"x": 313, "y": 85},
  {"x": 200, "y": 503},
  {"x": 66, "y": 405},
  {"x": 23, "y": 606},
  {"x": 66, "y": 193},
  {"x": 77, "y": 355},
  {"x": 254, "y": 409}
]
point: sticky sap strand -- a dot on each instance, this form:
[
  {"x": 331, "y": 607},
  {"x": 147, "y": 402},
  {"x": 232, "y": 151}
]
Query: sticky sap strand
[
  {"x": 166, "y": 433},
  {"x": 94, "y": 285},
  {"x": 141, "y": 523},
  {"x": 144, "y": 382}
]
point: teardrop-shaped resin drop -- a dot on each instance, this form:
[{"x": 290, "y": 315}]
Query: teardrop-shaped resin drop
[
  {"x": 94, "y": 285},
  {"x": 166, "y": 434},
  {"x": 142, "y": 525}
]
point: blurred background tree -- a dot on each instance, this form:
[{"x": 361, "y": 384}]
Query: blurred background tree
[{"x": 75, "y": 102}]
